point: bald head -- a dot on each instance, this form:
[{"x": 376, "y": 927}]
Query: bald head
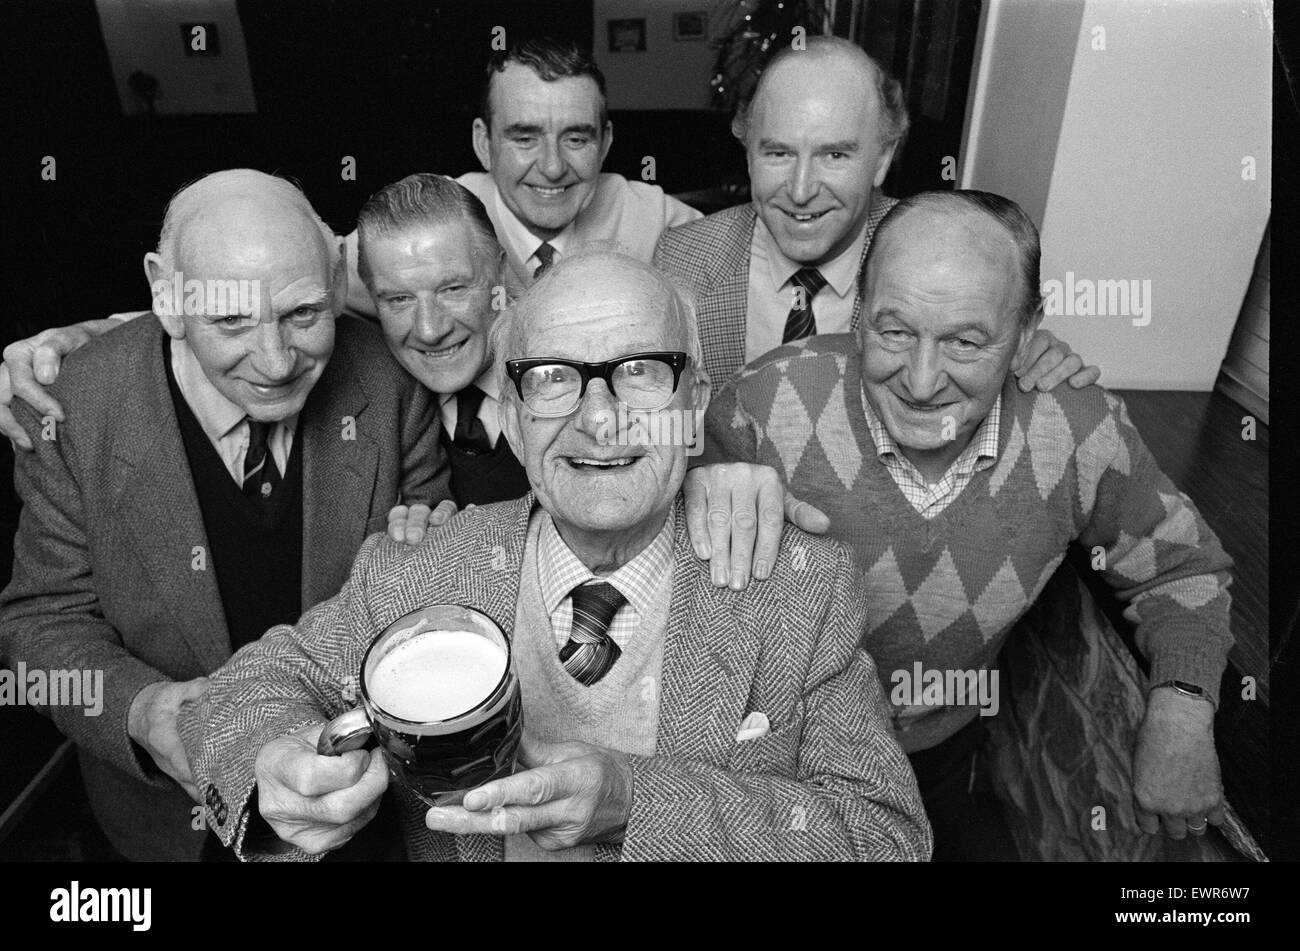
[
  {"x": 592, "y": 281},
  {"x": 833, "y": 68},
  {"x": 238, "y": 214},
  {"x": 249, "y": 280},
  {"x": 987, "y": 229}
]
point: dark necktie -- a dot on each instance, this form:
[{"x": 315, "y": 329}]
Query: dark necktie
[
  {"x": 261, "y": 475},
  {"x": 800, "y": 323},
  {"x": 546, "y": 254},
  {"x": 471, "y": 435},
  {"x": 590, "y": 652}
]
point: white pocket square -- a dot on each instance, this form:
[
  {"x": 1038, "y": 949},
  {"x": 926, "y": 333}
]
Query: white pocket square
[{"x": 753, "y": 726}]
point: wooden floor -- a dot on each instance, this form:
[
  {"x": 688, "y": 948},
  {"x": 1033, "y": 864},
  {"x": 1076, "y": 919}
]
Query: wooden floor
[{"x": 1197, "y": 440}]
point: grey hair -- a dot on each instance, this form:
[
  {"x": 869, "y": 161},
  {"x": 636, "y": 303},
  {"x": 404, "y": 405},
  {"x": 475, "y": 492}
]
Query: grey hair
[
  {"x": 423, "y": 198},
  {"x": 509, "y": 330},
  {"x": 190, "y": 196},
  {"x": 894, "y": 121},
  {"x": 1019, "y": 226}
]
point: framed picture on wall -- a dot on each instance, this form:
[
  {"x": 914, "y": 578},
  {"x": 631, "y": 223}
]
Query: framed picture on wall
[
  {"x": 627, "y": 36},
  {"x": 690, "y": 26}
]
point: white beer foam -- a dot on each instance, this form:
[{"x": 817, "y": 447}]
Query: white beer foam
[{"x": 437, "y": 675}]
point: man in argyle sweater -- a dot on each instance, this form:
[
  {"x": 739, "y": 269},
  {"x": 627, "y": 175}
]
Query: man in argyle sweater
[{"x": 960, "y": 494}]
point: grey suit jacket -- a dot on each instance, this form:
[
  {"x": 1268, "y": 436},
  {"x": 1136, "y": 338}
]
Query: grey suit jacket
[
  {"x": 111, "y": 566},
  {"x": 827, "y": 782},
  {"x": 710, "y": 258}
]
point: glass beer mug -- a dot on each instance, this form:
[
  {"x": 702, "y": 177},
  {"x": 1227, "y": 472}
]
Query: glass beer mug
[{"x": 440, "y": 698}]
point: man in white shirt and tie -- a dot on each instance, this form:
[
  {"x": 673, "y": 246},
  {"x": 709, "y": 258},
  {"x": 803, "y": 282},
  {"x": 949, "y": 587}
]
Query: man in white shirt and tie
[{"x": 542, "y": 135}]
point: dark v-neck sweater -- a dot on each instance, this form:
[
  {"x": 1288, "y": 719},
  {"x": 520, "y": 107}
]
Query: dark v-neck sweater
[{"x": 256, "y": 552}]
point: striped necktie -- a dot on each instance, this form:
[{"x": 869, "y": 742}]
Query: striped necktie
[
  {"x": 546, "y": 254},
  {"x": 800, "y": 322},
  {"x": 261, "y": 475},
  {"x": 590, "y": 652}
]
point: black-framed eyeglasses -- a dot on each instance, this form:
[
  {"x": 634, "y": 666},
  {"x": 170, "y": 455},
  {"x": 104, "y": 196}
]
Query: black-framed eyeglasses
[{"x": 550, "y": 386}]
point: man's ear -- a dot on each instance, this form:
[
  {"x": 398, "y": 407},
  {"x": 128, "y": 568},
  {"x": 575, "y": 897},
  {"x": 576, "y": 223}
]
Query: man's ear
[
  {"x": 1027, "y": 331},
  {"x": 164, "y": 296},
  {"x": 882, "y": 167},
  {"x": 509, "y": 420},
  {"x": 702, "y": 392},
  {"x": 608, "y": 139},
  {"x": 482, "y": 144},
  {"x": 339, "y": 298}
]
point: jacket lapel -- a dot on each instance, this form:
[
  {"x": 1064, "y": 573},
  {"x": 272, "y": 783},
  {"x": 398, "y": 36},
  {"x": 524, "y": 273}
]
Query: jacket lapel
[
  {"x": 339, "y": 468},
  {"x": 723, "y": 306},
  {"x": 155, "y": 498},
  {"x": 880, "y": 205},
  {"x": 709, "y": 661}
]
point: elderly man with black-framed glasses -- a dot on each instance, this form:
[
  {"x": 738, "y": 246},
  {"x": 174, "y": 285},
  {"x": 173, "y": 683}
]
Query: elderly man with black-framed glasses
[{"x": 664, "y": 717}]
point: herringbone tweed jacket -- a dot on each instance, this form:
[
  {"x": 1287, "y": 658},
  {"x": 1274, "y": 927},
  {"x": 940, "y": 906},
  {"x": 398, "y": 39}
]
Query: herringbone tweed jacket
[
  {"x": 710, "y": 258},
  {"x": 827, "y": 782},
  {"x": 112, "y": 566}
]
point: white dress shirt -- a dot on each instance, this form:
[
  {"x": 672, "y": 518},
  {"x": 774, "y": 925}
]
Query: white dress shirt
[
  {"x": 223, "y": 421},
  {"x": 522, "y": 243},
  {"x": 625, "y": 215},
  {"x": 772, "y": 292},
  {"x": 559, "y": 571},
  {"x": 487, "y": 411}
]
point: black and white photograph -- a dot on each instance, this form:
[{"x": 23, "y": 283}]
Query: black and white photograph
[{"x": 644, "y": 431}]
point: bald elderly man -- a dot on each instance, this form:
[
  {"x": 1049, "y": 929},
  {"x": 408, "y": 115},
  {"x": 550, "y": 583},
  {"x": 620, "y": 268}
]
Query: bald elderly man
[
  {"x": 665, "y": 718},
  {"x": 222, "y": 461},
  {"x": 961, "y": 494}
]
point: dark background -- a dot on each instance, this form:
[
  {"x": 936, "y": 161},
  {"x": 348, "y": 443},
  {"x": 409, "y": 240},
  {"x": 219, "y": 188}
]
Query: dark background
[{"x": 394, "y": 83}]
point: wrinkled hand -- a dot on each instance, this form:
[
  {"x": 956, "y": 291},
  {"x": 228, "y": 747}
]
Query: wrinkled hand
[
  {"x": 570, "y": 794},
  {"x": 409, "y": 523},
  {"x": 1176, "y": 782},
  {"x": 735, "y": 513},
  {"x": 317, "y": 802},
  {"x": 1049, "y": 362},
  {"x": 151, "y": 722},
  {"x": 30, "y": 366}
]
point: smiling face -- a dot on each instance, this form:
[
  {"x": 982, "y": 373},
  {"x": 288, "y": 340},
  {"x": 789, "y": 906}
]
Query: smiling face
[
  {"x": 432, "y": 286},
  {"x": 545, "y": 147},
  {"x": 814, "y": 153},
  {"x": 601, "y": 494},
  {"x": 941, "y": 329},
  {"x": 267, "y": 365}
]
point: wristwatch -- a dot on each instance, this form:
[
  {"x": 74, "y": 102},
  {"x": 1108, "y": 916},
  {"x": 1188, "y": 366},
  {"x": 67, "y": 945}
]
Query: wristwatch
[{"x": 1186, "y": 689}]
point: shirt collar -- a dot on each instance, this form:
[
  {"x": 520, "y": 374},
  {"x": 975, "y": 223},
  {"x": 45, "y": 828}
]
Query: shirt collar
[
  {"x": 841, "y": 273},
  {"x": 983, "y": 443},
  {"x": 216, "y": 414},
  {"x": 559, "y": 570},
  {"x": 486, "y": 381},
  {"x": 517, "y": 235}
]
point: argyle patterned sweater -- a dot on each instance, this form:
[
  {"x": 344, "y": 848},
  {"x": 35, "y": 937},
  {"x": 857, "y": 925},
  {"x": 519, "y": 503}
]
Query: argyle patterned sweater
[{"x": 946, "y": 591}]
